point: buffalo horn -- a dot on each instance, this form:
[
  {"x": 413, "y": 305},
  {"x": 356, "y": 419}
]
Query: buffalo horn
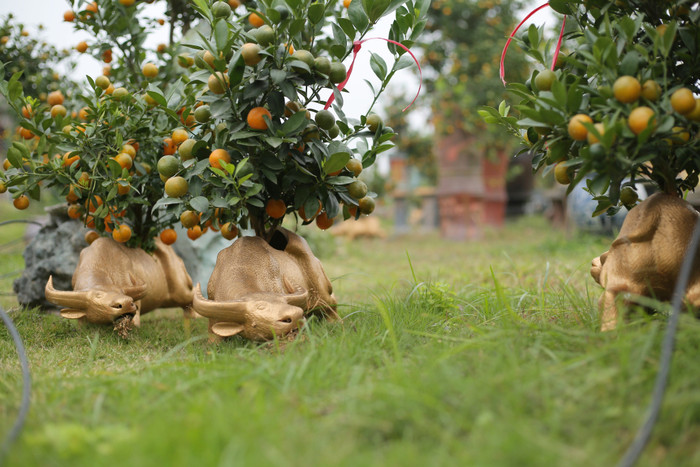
[
  {"x": 137, "y": 290},
  {"x": 297, "y": 296},
  {"x": 217, "y": 310},
  {"x": 76, "y": 300}
]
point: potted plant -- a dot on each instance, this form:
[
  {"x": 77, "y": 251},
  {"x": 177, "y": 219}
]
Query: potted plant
[
  {"x": 618, "y": 109},
  {"x": 240, "y": 139},
  {"x": 462, "y": 46},
  {"x": 97, "y": 143},
  {"x": 267, "y": 142}
]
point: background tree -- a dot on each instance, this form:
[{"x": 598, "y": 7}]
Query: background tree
[
  {"x": 461, "y": 53},
  {"x": 416, "y": 145},
  {"x": 28, "y": 52}
]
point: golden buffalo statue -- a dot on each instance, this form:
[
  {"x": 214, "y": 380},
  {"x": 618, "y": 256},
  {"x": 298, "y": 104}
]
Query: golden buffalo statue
[
  {"x": 645, "y": 258},
  {"x": 261, "y": 289},
  {"x": 112, "y": 281}
]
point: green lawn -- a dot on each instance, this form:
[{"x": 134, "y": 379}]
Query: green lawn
[{"x": 482, "y": 353}]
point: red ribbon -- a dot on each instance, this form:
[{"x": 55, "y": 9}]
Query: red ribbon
[
  {"x": 502, "y": 72},
  {"x": 356, "y": 46}
]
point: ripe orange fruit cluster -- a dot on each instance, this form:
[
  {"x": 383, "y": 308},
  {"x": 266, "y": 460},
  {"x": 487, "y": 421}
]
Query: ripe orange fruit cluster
[
  {"x": 323, "y": 222},
  {"x": 255, "y": 118},
  {"x": 168, "y": 236},
  {"x": 121, "y": 233},
  {"x": 576, "y": 129},
  {"x": 217, "y": 156},
  {"x": 276, "y": 208},
  {"x": 256, "y": 20}
]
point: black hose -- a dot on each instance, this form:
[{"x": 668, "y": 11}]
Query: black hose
[
  {"x": 26, "y": 386},
  {"x": 20, "y": 221},
  {"x": 667, "y": 348}
]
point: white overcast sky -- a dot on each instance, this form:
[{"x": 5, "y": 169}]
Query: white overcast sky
[
  {"x": 61, "y": 34},
  {"x": 49, "y": 13}
]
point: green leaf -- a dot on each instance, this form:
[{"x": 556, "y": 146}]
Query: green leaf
[
  {"x": 14, "y": 87},
  {"x": 378, "y": 66},
  {"x": 627, "y": 26},
  {"x": 114, "y": 167},
  {"x": 338, "y": 51},
  {"x": 533, "y": 35},
  {"x": 331, "y": 205},
  {"x": 420, "y": 5},
  {"x": 219, "y": 202},
  {"x": 34, "y": 192},
  {"x": 404, "y": 62},
  {"x": 166, "y": 202},
  {"x": 297, "y": 26},
  {"x": 157, "y": 96},
  {"x": 598, "y": 184},
  {"x": 278, "y": 76},
  {"x": 667, "y": 39},
  {"x": 274, "y": 141},
  {"x": 299, "y": 65},
  {"x": 347, "y": 27},
  {"x": 23, "y": 149},
  {"x": 630, "y": 63},
  {"x": 236, "y": 70},
  {"x": 243, "y": 134},
  {"x": 221, "y": 35},
  {"x": 256, "y": 202},
  {"x": 336, "y": 162},
  {"x": 15, "y": 157},
  {"x": 311, "y": 205},
  {"x": 200, "y": 203},
  {"x": 560, "y": 6},
  {"x": 315, "y": 12},
  {"x": 603, "y": 206},
  {"x": 358, "y": 16},
  {"x": 295, "y": 124},
  {"x": 340, "y": 180},
  {"x": 375, "y": 9},
  {"x": 203, "y": 7},
  {"x": 574, "y": 98},
  {"x": 218, "y": 172},
  {"x": 273, "y": 15},
  {"x": 242, "y": 166},
  {"x": 559, "y": 93},
  {"x": 254, "y": 190}
]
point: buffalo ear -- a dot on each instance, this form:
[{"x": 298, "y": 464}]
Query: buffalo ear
[
  {"x": 226, "y": 329},
  {"x": 72, "y": 314}
]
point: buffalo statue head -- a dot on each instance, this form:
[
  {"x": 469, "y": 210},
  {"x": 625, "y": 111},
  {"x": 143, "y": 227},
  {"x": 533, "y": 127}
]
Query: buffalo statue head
[
  {"x": 259, "y": 316},
  {"x": 100, "y": 305}
]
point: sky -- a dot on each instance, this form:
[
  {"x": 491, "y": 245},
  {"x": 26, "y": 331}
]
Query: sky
[{"x": 49, "y": 13}]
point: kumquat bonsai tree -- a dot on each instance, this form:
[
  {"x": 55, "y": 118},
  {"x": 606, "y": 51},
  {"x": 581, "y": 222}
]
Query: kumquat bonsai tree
[
  {"x": 227, "y": 129},
  {"x": 234, "y": 126},
  {"x": 267, "y": 141},
  {"x": 618, "y": 109},
  {"x": 99, "y": 145}
]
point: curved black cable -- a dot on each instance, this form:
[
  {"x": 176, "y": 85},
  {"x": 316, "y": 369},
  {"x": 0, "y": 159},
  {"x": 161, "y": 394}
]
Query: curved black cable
[
  {"x": 667, "y": 348},
  {"x": 26, "y": 386},
  {"x": 20, "y": 221}
]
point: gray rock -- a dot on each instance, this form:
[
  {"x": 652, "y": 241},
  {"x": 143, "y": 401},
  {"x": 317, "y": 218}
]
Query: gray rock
[{"x": 54, "y": 250}]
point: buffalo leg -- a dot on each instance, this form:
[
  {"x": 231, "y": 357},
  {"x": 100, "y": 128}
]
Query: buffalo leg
[{"x": 608, "y": 320}]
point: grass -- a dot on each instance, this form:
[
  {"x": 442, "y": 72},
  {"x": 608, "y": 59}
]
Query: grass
[{"x": 481, "y": 353}]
